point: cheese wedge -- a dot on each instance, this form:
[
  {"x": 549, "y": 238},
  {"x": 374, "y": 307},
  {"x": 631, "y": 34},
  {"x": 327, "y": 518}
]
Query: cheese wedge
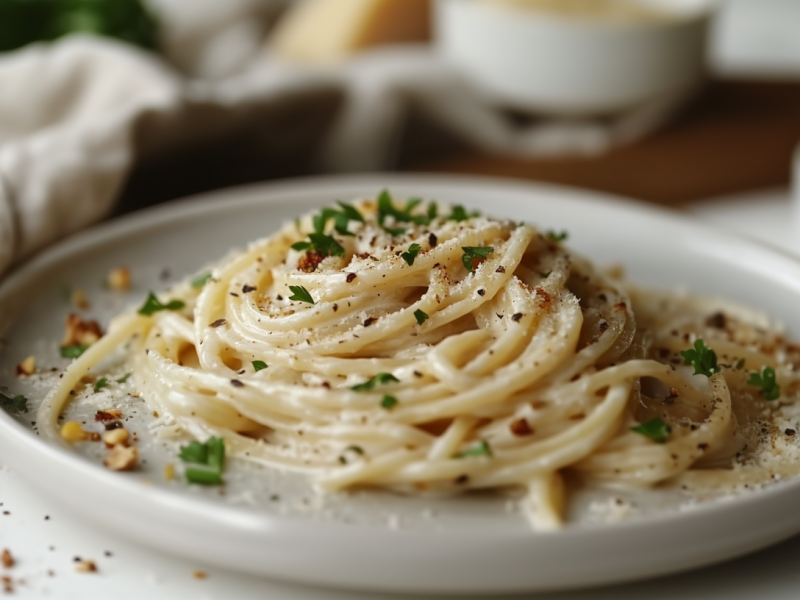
[{"x": 320, "y": 31}]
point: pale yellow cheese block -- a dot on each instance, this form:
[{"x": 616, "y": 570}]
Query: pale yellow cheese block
[{"x": 319, "y": 31}]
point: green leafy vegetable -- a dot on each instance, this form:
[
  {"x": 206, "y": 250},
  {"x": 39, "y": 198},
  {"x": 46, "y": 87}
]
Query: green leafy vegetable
[
  {"x": 459, "y": 213},
  {"x": 411, "y": 255},
  {"x": 388, "y": 402},
  {"x": 26, "y": 21},
  {"x": 206, "y": 460},
  {"x": 471, "y": 252},
  {"x": 259, "y": 365},
  {"x": 18, "y": 404},
  {"x": 124, "y": 378},
  {"x": 73, "y": 351},
  {"x": 557, "y": 236},
  {"x": 767, "y": 382},
  {"x": 300, "y": 294},
  {"x": 201, "y": 280},
  {"x": 100, "y": 384},
  {"x": 481, "y": 449},
  {"x": 421, "y": 316},
  {"x": 655, "y": 429},
  {"x": 153, "y": 305},
  {"x": 379, "y": 379},
  {"x": 702, "y": 358}
]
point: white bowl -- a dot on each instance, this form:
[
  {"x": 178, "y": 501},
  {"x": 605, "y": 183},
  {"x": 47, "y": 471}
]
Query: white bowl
[{"x": 565, "y": 65}]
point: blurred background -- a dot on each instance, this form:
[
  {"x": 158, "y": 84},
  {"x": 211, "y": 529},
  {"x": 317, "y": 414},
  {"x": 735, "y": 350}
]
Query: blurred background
[{"x": 108, "y": 106}]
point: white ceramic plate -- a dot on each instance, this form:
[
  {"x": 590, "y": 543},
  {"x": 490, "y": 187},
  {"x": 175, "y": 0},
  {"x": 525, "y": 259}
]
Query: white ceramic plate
[{"x": 271, "y": 524}]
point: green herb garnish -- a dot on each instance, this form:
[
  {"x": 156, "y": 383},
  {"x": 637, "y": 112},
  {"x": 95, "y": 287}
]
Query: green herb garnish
[
  {"x": 259, "y": 365},
  {"x": 201, "y": 280},
  {"x": 100, "y": 384},
  {"x": 379, "y": 379},
  {"x": 153, "y": 305},
  {"x": 18, "y": 404},
  {"x": 421, "y": 316},
  {"x": 459, "y": 213},
  {"x": 767, "y": 382},
  {"x": 471, "y": 252},
  {"x": 411, "y": 255},
  {"x": 300, "y": 294},
  {"x": 481, "y": 449},
  {"x": 73, "y": 351},
  {"x": 702, "y": 358},
  {"x": 386, "y": 208},
  {"x": 559, "y": 236},
  {"x": 388, "y": 402},
  {"x": 124, "y": 378},
  {"x": 655, "y": 429},
  {"x": 207, "y": 460}
]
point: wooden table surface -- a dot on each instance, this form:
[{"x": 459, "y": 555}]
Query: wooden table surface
[{"x": 734, "y": 137}]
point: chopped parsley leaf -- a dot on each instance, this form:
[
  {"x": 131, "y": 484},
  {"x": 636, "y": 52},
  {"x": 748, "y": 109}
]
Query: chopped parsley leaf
[
  {"x": 421, "y": 316},
  {"x": 459, "y": 213},
  {"x": 259, "y": 365},
  {"x": 379, "y": 379},
  {"x": 201, "y": 280},
  {"x": 655, "y": 429},
  {"x": 300, "y": 294},
  {"x": 481, "y": 449},
  {"x": 386, "y": 208},
  {"x": 559, "y": 236},
  {"x": 702, "y": 358},
  {"x": 18, "y": 404},
  {"x": 153, "y": 305},
  {"x": 100, "y": 384},
  {"x": 206, "y": 460},
  {"x": 388, "y": 402},
  {"x": 73, "y": 351},
  {"x": 471, "y": 252},
  {"x": 124, "y": 378},
  {"x": 545, "y": 275},
  {"x": 411, "y": 255},
  {"x": 767, "y": 382}
]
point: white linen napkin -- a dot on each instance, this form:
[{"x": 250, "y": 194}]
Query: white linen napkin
[{"x": 77, "y": 113}]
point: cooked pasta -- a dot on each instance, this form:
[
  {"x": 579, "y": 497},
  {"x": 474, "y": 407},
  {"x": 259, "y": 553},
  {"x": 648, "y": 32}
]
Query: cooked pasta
[{"x": 426, "y": 349}]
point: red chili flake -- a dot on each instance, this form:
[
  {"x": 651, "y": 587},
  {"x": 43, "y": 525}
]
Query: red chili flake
[
  {"x": 236, "y": 383},
  {"x": 520, "y": 428},
  {"x": 218, "y": 323},
  {"x": 7, "y": 559},
  {"x": 310, "y": 261},
  {"x": 350, "y": 277},
  {"x": 113, "y": 426},
  {"x": 246, "y": 289},
  {"x": 516, "y": 317},
  {"x": 104, "y": 416}
]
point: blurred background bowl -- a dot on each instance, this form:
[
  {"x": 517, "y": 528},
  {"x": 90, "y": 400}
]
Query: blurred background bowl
[{"x": 583, "y": 62}]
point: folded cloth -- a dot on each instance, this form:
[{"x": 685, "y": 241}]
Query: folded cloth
[{"x": 76, "y": 114}]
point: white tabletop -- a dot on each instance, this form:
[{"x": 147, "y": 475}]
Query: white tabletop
[{"x": 45, "y": 540}]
